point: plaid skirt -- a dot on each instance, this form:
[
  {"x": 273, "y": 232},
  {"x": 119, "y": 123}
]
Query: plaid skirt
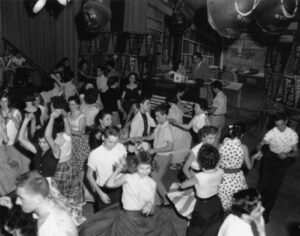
[
  {"x": 80, "y": 151},
  {"x": 68, "y": 182}
]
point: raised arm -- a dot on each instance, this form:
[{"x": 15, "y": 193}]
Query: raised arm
[
  {"x": 114, "y": 181},
  {"x": 23, "y": 137},
  {"x": 48, "y": 134}
]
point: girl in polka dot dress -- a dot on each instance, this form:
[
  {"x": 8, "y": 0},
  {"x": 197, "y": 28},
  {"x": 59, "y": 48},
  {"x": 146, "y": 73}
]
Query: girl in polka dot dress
[{"x": 233, "y": 153}]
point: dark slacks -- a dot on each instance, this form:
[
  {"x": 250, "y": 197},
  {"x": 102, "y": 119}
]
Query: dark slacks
[
  {"x": 207, "y": 217},
  {"x": 113, "y": 193},
  {"x": 273, "y": 170}
]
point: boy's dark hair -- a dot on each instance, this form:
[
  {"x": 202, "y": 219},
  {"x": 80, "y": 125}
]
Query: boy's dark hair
[
  {"x": 207, "y": 130},
  {"x": 217, "y": 84},
  {"x": 198, "y": 55},
  {"x": 279, "y": 116},
  {"x": 245, "y": 201},
  {"x": 162, "y": 109},
  {"x": 112, "y": 131},
  {"x": 208, "y": 156}
]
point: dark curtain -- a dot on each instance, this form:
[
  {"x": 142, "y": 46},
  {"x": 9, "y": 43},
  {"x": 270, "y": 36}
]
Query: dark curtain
[
  {"x": 44, "y": 38},
  {"x": 135, "y": 16}
]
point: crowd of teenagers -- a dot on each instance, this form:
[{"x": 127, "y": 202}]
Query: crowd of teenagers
[{"x": 101, "y": 142}]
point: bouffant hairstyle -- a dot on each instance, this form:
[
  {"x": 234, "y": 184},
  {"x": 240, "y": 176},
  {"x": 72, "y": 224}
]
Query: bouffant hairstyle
[{"x": 208, "y": 156}]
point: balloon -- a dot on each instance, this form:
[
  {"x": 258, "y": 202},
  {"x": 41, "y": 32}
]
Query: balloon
[
  {"x": 95, "y": 16},
  {"x": 274, "y": 16},
  {"x": 229, "y": 17}
]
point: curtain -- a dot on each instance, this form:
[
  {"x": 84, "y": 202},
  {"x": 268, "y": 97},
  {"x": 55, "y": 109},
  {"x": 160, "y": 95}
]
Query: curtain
[
  {"x": 135, "y": 16},
  {"x": 44, "y": 38}
]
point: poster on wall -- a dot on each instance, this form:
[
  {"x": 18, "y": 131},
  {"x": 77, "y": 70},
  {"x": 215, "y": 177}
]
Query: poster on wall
[{"x": 244, "y": 55}]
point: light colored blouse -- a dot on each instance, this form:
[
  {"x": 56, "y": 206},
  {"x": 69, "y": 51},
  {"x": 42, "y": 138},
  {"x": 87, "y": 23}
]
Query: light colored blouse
[
  {"x": 198, "y": 122},
  {"x": 75, "y": 123},
  {"x": 208, "y": 182},
  {"x": 64, "y": 141},
  {"x": 137, "y": 192}
]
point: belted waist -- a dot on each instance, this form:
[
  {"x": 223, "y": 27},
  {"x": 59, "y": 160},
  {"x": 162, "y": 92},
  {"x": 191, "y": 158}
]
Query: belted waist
[
  {"x": 207, "y": 199},
  {"x": 231, "y": 170}
]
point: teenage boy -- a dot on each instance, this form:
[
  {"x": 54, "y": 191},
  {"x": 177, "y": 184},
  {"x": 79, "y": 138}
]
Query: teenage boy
[
  {"x": 162, "y": 148},
  {"x": 283, "y": 148},
  {"x": 33, "y": 197},
  {"x": 102, "y": 161},
  {"x": 142, "y": 121}
]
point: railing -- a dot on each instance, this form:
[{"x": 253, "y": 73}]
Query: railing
[{"x": 29, "y": 61}]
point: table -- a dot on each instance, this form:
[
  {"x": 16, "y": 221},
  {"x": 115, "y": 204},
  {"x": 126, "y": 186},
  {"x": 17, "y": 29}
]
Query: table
[{"x": 166, "y": 87}]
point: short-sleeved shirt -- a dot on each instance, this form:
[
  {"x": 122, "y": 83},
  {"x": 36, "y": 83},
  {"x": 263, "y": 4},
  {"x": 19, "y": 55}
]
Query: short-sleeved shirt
[
  {"x": 137, "y": 192},
  {"x": 281, "y": 141},
  {"x": 90, "y": 112},
  {"x": 45, "y": 163},
  {"x": 235, "y": 226},
  {"x": 58, "y": 222},
  {"x": 102, "y": 161},
  {"x": 162, "y": 135},
  {"x": 220, "y": 102},
  {"x": 65, "y": 145},
  {"x": 208, "y": 183}
]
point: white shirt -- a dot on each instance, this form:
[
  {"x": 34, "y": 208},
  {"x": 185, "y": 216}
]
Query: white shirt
[
  {"x": 234, "y": 226},
  {"x": 281, "y": 141},
  {"x": 102, "y": 83},
  {"x": 198, "y": 122},
  {"x": 90, "y": 112},
  {"x": 162, "y": 135},
  {"x": 137, "y": 192},
  {"x": 208, "y": 182},
  {"x": 102, "y": 161},
  {"x": 58, "y": 222},
  {"x": 137, "y": 125},
  {"x": 220, "y": 102},
  {"x": 64, "y": 142},
  {"x": 11, "y": 130}
]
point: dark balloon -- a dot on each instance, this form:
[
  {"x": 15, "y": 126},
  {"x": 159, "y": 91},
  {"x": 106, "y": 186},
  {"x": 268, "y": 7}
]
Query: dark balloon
[
  {"x": 95, "y": 16},
  {"x": 223, "y": 16},
  {"x": 274, "y": 18}
]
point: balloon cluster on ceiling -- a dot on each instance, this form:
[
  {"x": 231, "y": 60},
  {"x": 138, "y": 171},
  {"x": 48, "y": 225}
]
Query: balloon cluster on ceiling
[
  {"x": 94, "y": 16},
  {"x": 229, "y": 17},
  {"x": 37, "y": 5}
]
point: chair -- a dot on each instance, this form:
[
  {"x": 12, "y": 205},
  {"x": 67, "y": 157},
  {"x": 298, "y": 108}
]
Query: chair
[{"x": 228, "y": 75}]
